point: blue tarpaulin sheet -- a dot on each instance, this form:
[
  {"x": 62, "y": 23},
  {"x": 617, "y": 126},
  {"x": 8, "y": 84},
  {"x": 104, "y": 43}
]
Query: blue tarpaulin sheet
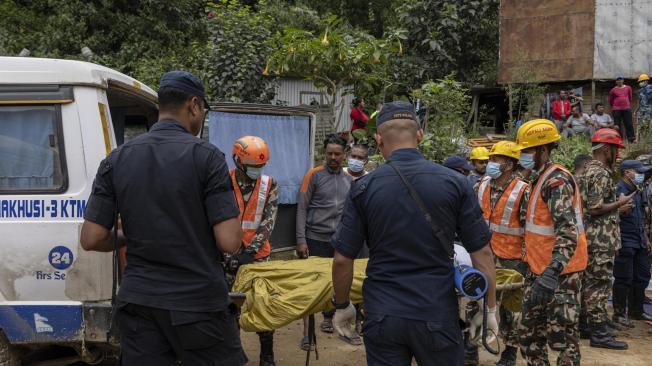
[{"x": 288, "y": 139}]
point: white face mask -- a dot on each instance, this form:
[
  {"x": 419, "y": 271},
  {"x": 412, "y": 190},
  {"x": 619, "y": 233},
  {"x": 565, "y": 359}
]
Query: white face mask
[
  {"x": 253, "y": 172},
  {"x": 356, "y": 165},
  {"x": 639, "y": 178},
  {"x": 642, "y": 84}
]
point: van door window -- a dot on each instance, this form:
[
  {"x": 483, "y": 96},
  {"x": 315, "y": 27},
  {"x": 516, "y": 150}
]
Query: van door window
[{"x": 31, "y": 149}]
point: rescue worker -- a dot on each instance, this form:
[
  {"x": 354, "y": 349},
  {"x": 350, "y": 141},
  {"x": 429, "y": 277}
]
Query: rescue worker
[
  {"x": 257, "y": 198},
  {"x": 175, "y": 199},
  {"x": 503, "y": 198},
  {"x": 555, "y": 247},
  {"x": 358, "y": 158},
  {"x": 321, "y": 201},
  {"x": 479, "y": 159},
  {"x": 411, "y": 310},
  {"x": 644, "y": 109},
  {"x": 460, "y": 165},
  {"x": 632, "y": 264},
  {"x": 602, "y": 237}
]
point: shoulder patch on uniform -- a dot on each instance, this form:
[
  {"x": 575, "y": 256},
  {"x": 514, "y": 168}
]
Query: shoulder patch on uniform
[
  {"x": 556, "y": 183},
  {"x": 358, "y": 188},
  {"x": 105, "y": 167}
]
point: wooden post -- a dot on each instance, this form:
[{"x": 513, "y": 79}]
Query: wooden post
[{"x": 592, "y": 95}]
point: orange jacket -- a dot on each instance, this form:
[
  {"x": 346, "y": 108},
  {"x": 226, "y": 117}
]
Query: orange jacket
[
  {"x": 540, "y": 232},
  {"x": 504, "y": 221},
  {"x": 251, "y": 214}
]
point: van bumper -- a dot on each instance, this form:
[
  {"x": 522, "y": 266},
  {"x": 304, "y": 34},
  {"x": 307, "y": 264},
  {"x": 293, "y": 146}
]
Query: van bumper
[{"x": 55, "y": 322}]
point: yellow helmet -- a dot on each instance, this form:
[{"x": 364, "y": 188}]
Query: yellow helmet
[
  {"x": 536, "y": 133},
  {"x": 506, "y": 148},
  {"x": 643, "y": 77},
  {"x": 480, "y": 153}
]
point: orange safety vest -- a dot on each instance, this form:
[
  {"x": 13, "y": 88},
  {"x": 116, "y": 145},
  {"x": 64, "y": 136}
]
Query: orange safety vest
[
  {"x": 251, "y": 215},
  {"x": 540, "y": 232},
  {"x": 504, "y": 220}
]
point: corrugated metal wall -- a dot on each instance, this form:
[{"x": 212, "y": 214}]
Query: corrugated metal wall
[
  {"x": 623, "y": 38},
  {"x": 295, "y": 92},
  {"x": 546, "y": 40}
]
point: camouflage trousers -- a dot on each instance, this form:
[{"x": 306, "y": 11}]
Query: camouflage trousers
[
  {"x": 596, "y": 287},
  {"x": 509, "y": 319},
  {"x": 555, "y": 324},
  {"x": 643, "y": 126}
]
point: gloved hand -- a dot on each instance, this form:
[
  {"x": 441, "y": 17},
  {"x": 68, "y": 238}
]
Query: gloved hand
[
  {"x": 344, "y": 321},
  {"x": 543, "y": 289},
  {"x": 475, "y": 326}
]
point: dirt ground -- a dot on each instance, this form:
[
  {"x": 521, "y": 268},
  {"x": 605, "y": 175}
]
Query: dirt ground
[{"x": 332, "y": 351}]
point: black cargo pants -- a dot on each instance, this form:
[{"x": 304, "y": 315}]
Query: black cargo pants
[{"x": 157, "y": 337}]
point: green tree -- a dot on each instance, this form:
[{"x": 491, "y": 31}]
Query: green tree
[
  {"x": 236, "y": 54},
  {"x": 140, "y": 38},
  {"x": 448, "y": 104},
  {"x": 335, "y": 58}
]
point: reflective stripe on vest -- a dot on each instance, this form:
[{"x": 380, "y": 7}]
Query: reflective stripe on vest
[
  {"x": 503, "y": 219},
  {"x": 260, "y": 206},
  {"x": 540, "y": 236}
]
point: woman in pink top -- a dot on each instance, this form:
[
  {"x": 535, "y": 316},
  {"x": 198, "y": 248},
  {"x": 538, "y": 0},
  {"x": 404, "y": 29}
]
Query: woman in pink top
[{"x": 620, "y": 100}]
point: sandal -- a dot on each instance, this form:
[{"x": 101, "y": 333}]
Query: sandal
[
  {"x": 305, "y": 344},
  {"x": 326, "y": 326},
  {"x": 355, "y": 340}
]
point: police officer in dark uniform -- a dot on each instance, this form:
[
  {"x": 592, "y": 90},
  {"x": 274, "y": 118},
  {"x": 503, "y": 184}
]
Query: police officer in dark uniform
[
  {"x": 175, "y": 199},
  {"x": 410, "y": 303}
]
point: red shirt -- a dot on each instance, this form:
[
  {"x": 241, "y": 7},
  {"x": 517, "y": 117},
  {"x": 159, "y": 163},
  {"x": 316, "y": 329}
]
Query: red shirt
[
  {"x": 557, "y": 106},
  {"x": 620, "y": 98},
  {"x": 359, "y": 118}
]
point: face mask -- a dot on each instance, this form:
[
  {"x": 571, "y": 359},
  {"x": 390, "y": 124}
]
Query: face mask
[
  {"x": 253, "y": 172},
  {"x": 493, "y": 170},
  {"x": 527, "y": 161},
  {"x": 356, "y": 165},
  {"x": 642, "y": 84},
  {"x": 639, "y": 178}
]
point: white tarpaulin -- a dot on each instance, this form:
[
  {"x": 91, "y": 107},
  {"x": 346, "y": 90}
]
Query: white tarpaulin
[{"x": 623, "y": 38}]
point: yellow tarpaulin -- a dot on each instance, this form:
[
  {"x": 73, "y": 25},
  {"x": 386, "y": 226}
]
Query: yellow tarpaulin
[{"x": 279, "y": 292}]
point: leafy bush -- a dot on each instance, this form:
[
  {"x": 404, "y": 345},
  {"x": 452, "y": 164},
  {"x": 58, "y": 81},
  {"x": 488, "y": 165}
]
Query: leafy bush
[
  {"x": 569, "y": 148},
  {"x": 448, "y": 104}
]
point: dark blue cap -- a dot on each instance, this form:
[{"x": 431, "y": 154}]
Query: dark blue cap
[
  {"x": 634, "y": 164},
  {"x": 620, "y": 77},
  {"x": 396, "y": 110},
  {"x": 457, "y": 162},
  {"x": 184, "y": 81}
]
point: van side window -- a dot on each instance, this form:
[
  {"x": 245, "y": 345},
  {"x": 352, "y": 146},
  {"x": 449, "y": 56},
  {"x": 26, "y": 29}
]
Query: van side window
[{"x": 31, "y": 149}]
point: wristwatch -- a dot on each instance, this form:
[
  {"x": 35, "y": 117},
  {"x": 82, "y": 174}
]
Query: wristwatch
[{"x": 341, "y": 306}]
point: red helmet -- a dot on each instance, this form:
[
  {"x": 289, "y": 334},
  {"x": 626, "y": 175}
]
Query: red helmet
[{"x": 608, "y": 136}]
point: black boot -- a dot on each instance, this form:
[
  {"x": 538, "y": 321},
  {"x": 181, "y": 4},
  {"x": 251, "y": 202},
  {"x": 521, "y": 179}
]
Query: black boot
[
  {"x": 636, "y": 310},
  {"x": 471, "y": 356},
  {"x": 266, "y": 348},
  {"x": 508, "y": 357},
  {"x": 620, "y": 295},
  {"x": 601, "y": 338}
]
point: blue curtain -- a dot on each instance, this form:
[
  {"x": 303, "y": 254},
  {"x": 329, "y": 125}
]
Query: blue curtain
[
  {"x": 288, "y": 139},
  {"x": 26, "y": 157}
]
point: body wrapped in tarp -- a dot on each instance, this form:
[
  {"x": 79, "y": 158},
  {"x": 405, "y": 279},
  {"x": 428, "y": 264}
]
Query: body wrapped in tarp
[{"x": 279, "y": 292}]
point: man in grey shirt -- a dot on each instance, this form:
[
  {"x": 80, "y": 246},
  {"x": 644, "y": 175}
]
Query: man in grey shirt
[
  {"x": 601, "y": 119},
  {"x": 321, "y": 201},
  {"x": 578, "y": 124}
]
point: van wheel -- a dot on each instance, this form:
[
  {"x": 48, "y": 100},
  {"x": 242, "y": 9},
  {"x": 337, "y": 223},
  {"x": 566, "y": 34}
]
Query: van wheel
[{"x": 8, "y": 356}]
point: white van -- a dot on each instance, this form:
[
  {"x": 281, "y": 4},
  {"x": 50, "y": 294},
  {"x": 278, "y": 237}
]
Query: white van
[{"x": 58, "y": 120}]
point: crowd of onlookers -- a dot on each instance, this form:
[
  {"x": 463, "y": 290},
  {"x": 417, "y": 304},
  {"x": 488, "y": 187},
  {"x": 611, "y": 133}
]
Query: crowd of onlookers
[{"x": 568, "y": 112}]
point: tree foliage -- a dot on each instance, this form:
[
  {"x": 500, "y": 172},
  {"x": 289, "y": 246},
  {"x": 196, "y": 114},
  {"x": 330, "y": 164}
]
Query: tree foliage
[
  {"x": 238, "y": 48},
  {"x": 448, "y": 105}
]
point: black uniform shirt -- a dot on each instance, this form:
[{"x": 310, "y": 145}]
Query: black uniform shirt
[
  {"x": 170, "y": 189},
  {"x": 409, "y": 275}
]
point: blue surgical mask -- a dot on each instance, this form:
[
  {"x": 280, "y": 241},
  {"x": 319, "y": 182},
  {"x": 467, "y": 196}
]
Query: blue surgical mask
[
  {"x": 639, "y": 178},
  {"x": 493, "y": 170},
  {"x": 253, "y": 172},
  {"x": 527, "y": 161},
  {"x": 356, "y": 165}
]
